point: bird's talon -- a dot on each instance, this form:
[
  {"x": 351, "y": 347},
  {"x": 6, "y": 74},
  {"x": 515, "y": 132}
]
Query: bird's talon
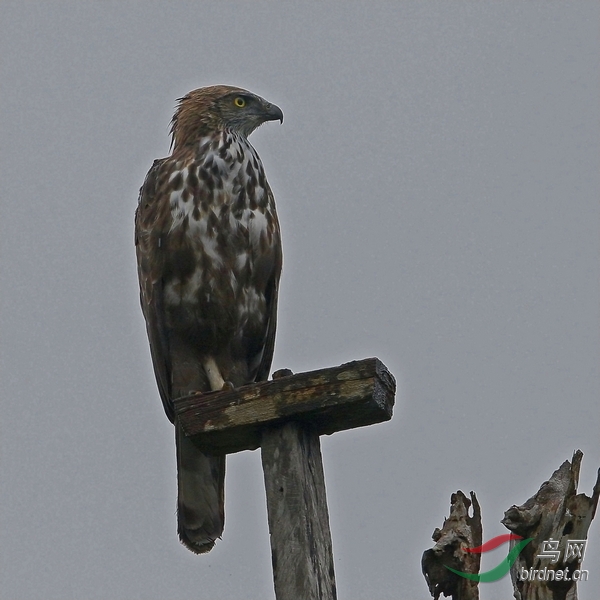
[{"x": 282, "y": 373}]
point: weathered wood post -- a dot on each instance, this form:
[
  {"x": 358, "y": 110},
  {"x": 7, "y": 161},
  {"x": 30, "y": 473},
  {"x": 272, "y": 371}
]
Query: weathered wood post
[
  {"x": 301, "y": 550},
  {"x": 285, "y": 417}
]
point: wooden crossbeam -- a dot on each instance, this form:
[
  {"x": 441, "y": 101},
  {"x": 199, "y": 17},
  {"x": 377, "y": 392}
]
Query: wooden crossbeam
[{"x": 354, "y": 394}]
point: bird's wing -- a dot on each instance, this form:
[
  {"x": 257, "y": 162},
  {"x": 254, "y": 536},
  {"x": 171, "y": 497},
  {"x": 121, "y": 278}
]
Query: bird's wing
[
  {"x": 271, "y": 295},
  {"x": 152, "y": 222}
]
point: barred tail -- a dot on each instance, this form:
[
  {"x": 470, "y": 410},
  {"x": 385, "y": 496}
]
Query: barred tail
[{"x": 200, "y": 500}]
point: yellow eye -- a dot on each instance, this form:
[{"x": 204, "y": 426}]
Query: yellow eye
[{"x": 239, "y": 102}]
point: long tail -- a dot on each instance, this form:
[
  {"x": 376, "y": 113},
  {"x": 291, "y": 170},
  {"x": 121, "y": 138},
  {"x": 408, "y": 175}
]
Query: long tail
[{"x": 201, "y": 497}]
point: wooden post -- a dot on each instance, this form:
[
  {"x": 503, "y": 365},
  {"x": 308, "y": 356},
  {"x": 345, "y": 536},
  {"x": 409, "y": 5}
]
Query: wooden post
[
  {"x": 458, "y": 532},
  {"x": 558, "y": 519},
  {"x": 297, "y": 507},
  {"x": 285, "y": 417}
]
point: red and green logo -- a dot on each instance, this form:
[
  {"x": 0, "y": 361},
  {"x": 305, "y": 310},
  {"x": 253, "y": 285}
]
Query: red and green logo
[{"x": 504, "y": 567}]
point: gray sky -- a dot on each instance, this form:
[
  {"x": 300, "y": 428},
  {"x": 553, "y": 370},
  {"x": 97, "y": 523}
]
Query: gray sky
[{"x": 437, "y": 184}]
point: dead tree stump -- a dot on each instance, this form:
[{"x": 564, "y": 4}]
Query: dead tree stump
[
  {"x": 558, "y": 519},
  {"x": 460, "y": 531}
]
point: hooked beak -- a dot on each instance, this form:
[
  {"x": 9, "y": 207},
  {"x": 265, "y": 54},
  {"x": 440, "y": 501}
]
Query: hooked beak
[{"x": 273, "y": 113}]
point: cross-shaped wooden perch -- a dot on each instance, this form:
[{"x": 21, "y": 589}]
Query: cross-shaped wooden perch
[{"x": 285, "y": 417}]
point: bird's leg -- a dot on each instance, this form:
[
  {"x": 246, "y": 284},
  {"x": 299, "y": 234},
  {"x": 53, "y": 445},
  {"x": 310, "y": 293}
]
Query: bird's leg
[
  {"x": 213, "y": 373},
  {"x": 214, "y": 376}
]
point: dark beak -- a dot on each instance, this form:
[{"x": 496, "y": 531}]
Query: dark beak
[{"x": 273, "y": 113}]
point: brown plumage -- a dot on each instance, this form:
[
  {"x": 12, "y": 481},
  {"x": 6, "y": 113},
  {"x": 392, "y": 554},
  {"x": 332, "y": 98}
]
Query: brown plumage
[{"x": 209, "y": 259}]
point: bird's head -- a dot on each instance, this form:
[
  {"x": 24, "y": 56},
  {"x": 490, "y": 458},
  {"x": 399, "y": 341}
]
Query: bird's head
[{"x": 217, "y": 108}]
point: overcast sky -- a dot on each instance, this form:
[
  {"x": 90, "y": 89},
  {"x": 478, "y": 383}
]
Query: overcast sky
[{"x": 437, "y": 183}]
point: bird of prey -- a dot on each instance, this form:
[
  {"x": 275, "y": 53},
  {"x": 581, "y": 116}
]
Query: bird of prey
[{"x": 209, "y": 259}]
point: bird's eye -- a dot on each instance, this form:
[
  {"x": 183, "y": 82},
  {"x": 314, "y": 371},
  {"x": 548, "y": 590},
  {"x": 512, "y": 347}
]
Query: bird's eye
[{"x": 239, "y": 102}]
